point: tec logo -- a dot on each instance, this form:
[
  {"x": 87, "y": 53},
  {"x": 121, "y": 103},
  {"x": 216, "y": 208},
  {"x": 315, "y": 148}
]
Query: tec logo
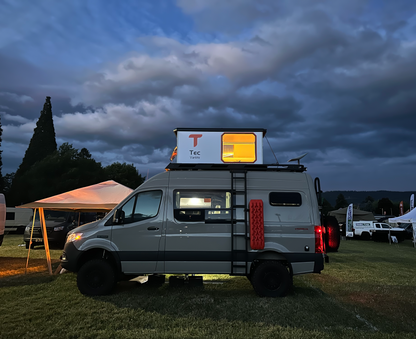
[
  {"x": 195, "y": 137},
  {"x": 193, "y": 153}
]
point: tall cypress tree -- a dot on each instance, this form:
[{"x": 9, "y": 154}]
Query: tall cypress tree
[
  {"x": 1, "y": 163},
  {"x": 42, "y": 144},
  {"x": 43, "y": 141}
]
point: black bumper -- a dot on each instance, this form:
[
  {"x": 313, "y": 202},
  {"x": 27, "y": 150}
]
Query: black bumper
[{"x": 70, "y": 257}]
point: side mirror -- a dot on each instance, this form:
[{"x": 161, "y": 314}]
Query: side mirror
[{"x": 118, "y": 217}]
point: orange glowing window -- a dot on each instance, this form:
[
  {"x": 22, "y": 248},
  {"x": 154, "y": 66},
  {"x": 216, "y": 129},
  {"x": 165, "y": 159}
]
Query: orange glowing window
[{"x": 238, "y": 147}]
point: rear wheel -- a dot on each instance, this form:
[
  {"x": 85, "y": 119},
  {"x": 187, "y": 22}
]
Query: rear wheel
[
  {"x": 271, "y": 279},
  {"x": 365, "y": 236},
  {"x": 96, "y": 277}
]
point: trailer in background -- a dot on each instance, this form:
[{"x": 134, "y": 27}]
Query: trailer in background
[{"x": 17, "y": 219}]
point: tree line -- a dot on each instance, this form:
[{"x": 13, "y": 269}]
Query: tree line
[
  {"x": 47, "y": 170},
  {"x": 378, "y": 207}
]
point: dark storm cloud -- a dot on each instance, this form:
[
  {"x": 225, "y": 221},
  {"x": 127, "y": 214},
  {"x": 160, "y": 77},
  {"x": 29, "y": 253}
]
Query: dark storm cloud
[{"x": 334, "y": 79}]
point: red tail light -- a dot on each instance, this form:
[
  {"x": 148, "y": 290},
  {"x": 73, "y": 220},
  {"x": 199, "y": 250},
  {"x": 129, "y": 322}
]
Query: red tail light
[{"x": 319, "y": 239}]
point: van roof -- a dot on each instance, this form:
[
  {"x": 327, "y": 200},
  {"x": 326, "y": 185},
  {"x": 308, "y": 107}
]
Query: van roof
[
  {"x": 229, "y": 167},
  {"x": 180, "y": 129}
]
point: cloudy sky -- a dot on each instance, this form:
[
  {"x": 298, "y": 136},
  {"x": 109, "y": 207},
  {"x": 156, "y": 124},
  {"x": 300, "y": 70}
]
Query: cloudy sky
[{"x": 332, "y": 78}]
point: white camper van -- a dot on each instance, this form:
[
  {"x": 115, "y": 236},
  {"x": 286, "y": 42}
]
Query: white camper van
[
  {"x": 2, "y": 217},
  {"x": 17, "y": 219},
  {"x": 255, "y": 220}
]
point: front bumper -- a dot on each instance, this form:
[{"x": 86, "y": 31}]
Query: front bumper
[{"x": 70, "y": 256}]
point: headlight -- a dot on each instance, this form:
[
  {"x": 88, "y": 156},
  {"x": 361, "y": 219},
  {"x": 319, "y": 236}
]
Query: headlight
[
  {"x": 59, "y": 228},
  {"x": 74, "y": 237},
  {"x": 28, "y": 227}
]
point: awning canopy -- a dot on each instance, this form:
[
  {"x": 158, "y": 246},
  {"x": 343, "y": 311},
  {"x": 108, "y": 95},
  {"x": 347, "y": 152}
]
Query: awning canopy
[
  {"x": 341, "y": 215},
  {"x": 95, "y": 198},
  {"x": 406, "y": 218}
]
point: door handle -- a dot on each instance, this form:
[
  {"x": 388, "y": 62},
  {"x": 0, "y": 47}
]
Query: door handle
[{"x": 152, "y": 228}]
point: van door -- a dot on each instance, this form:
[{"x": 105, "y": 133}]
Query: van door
[
  {"x": 138, "y": 231},
  {"x": 198, "y": 232}
]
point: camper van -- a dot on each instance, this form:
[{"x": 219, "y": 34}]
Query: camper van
[
  {"x": 244, "y": 219},
  {"x": 2, "y": 217},
  {"x": 17, "y": 219}
]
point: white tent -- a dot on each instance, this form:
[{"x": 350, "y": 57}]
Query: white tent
[
  {"x": 102, "y": 197},
  {"x": 406, "y": 218},
  {"x": 95, "y": 198},
  {"x": 409, "y": 217}
]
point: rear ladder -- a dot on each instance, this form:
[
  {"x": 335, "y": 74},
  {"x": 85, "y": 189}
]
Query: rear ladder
[{"x": 239, "y": 225}]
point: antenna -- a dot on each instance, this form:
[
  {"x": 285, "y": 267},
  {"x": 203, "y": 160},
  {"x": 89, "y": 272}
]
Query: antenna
[
  {"x": 272, "y": 150},
  {"x": 298, "y": 158}
]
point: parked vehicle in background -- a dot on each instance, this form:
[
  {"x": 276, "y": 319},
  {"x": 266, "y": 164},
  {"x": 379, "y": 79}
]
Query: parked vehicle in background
[
  {"x": 408, "y": 229},
  {"x": 58, "y": 224},
  {"x": 377, "y": 231},
  {"x": 17, "y": 219},
  {"x": 2, "y": 216}
]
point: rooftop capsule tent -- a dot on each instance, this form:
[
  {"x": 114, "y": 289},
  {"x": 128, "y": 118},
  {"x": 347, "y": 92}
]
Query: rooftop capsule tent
[{"x": 217, "y": 209}]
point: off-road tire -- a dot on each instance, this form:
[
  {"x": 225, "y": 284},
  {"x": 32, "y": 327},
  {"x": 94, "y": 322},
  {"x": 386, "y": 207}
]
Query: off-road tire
[
  {"x": 271, "y": 279},
  {"x": 96, "y": 277}
]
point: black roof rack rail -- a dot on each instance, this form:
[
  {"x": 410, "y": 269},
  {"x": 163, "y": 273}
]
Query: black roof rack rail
[{"x": 227, "y": 167}]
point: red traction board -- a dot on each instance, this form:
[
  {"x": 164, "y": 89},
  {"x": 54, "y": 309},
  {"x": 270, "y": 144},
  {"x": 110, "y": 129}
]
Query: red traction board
[{"x": 256, "y": 225}]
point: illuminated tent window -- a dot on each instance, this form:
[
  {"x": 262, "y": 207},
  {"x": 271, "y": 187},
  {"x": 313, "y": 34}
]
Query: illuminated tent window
[{"x": 238, "y": 147}]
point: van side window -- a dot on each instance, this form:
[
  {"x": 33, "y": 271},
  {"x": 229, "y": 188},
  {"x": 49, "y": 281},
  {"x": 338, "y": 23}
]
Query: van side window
[
  {"x": 208, "y": 206},
  {"x": 285, "y": 199},
  {"x": 9, "y": 215},
  {"x": 142, "y": 206}
]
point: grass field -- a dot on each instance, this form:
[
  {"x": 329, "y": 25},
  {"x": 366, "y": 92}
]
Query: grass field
[{"x": 368, "y": 290}]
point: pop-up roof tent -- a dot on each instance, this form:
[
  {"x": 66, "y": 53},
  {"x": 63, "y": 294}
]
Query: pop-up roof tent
[
  {"x": 102, "y": 197},
  {"x": 357, "y": 215},
  {"x": 219, "y": 145}
]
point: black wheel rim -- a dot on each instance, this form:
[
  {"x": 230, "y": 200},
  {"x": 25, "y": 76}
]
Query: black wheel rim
[
  {"x": 95, "y": 279},
  {"x": 272, "y": 280}
]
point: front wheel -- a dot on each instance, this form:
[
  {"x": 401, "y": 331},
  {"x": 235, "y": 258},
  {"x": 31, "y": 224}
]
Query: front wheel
[
  {"x": 271, "y": 279},
  {"x": 96, "y": 277}
]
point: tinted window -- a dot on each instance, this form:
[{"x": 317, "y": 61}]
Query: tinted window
[
  {"x": 142, "y": 206},
  {"x": 208, "y": 206},
  {"x": 285, "y": 199},
  {"x": 9, "y": 215}
]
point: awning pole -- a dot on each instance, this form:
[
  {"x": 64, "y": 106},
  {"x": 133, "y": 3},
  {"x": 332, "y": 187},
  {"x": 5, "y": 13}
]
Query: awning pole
[
  {"x": 30, "y": 240},
  {"x": 45, "y": 239}
]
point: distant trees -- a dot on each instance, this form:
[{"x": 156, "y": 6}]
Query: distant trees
[
  {"x": 384, "y": 206},
  {"x": 1, "y": 163},
  {"x": 124, "y": 174},
  {"x": 326, "y": 207},
  {"x": 340, "y": 202},
  {"x": 367, "y": 204},
  {"x": 47, "y": 170}
]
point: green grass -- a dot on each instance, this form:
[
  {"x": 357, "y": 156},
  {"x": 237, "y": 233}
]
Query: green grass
[{"x": 367, "y": 290}]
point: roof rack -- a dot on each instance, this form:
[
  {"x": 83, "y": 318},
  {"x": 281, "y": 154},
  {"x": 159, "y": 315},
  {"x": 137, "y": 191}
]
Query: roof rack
[{"x": 227, "y": 167}]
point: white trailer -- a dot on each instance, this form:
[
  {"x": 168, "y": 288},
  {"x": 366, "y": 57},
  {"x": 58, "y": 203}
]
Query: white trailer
[{"x": 17, "y": 219}]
